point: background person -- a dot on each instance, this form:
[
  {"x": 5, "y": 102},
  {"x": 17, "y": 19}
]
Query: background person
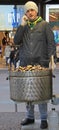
[
  {"x": 0, "y": 51},
  {"x": 16, "y": 58},
  {"x": 4, "y": 42},
  {"x": 36, "y": 41},
  {"x": 12, "y": 54},
  {"x": 7, "y": 52}
]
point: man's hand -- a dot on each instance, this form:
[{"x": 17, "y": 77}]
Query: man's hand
[
  {"x": 52, "y": 64},
  {"x": 24, "y": 20}
]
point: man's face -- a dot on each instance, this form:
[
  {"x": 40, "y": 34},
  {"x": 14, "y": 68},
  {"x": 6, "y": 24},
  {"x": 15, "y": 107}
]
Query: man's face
[{"x": 31, "y": 14}]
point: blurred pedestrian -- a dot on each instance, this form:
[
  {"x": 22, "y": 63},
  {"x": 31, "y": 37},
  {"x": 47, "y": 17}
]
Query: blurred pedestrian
[
  {"x": 4, "y": 42},
  {"x": 12, "y": 54},
  {"x": 0, "y": 51},
  {"x": 7, "y": 53}
]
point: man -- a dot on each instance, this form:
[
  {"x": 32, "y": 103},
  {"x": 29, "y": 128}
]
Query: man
[{"x": 36, "y": 42}]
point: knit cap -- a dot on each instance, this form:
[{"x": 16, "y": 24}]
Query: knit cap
[{"x": 30, "y": 5}]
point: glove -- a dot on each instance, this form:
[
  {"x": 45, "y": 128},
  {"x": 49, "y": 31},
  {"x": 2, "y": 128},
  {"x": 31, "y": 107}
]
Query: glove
[
  {"x": 24, "y": 20},
  {"x": 52, "y": 65},
  {"x": 17, "y": 64}
]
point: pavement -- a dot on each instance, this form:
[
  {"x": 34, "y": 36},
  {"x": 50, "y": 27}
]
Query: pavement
[
  {"x": 12, "y": 113},
  {"x": 12, "y": 120}
]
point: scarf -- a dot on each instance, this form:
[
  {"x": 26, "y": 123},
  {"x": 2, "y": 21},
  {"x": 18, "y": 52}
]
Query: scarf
[{"x": 32, "y": 24}]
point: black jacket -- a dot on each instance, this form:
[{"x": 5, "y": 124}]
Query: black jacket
[{"x": 36, "y": 45}]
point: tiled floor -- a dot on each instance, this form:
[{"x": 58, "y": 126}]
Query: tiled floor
[{"x": 11, "y": 121}]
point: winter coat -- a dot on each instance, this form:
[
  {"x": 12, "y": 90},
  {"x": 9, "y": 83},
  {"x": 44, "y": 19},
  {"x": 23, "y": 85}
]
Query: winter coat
[{"x": 36, "y": 45}]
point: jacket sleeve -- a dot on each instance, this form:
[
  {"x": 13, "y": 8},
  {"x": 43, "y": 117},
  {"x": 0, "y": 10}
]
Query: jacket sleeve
[
  {"x": 50, "y": 42},
  {"x": 19, "y": 35}
]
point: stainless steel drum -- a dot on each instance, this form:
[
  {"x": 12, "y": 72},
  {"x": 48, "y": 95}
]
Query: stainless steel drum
[{"x": 31, "y": 86}]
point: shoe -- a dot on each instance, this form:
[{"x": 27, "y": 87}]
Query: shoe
[
  {"x": 27, "y": 121},
  {"x": 44, "y": 124}
]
